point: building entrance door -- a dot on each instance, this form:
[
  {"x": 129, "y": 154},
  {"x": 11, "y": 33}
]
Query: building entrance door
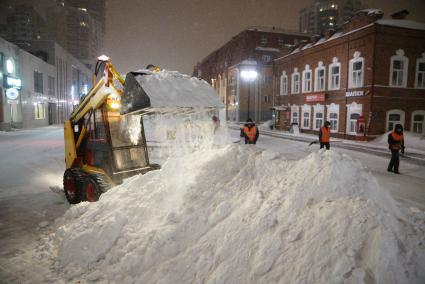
[{"x": 51, "y": 111}]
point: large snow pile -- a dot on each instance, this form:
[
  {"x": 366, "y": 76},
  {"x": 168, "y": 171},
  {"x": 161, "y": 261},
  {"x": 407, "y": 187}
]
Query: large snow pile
[{"x": 236, "y": 214}]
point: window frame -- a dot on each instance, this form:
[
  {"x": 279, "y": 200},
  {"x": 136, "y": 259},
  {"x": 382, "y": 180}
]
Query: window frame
[
  {"x": 293, "y": 85},
  {"x": 295, "y": 109},
  {"x": 394, "y": 111},
  {"x": 412, "y": 127},
  {"x": 418, "y": 62},
  {"x": 318, "y": 108},
  {"x": 284, "y": 84},
  {"x": 320, "y": 67},
  {"x": 399, "y": 57},
  {"x": 306, "y": 71},
  {"x": 356, "y": 58},
  {"x": 333, "y": 108},
  {"x": 353, "y": 108},
  {"x": 306, "y": 109},
  {"x": 334, "y": 63}
]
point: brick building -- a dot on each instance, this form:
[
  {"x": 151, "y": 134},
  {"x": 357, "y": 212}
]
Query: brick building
[
  {"x": 250, "y": 52},
  {"x": 363, "y": 79}
]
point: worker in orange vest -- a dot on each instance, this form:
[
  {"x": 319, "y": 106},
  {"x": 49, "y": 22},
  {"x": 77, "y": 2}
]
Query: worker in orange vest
[
  {"x": 395, "y": 144},
  {"x": 250, "y": 132},
  {"x": 325, "y": 135}
]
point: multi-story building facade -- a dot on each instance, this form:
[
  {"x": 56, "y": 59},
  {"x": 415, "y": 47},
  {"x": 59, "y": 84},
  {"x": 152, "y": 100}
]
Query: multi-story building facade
[
  {"x": 324, "y": 15},
  {"x": 250, "y": 53},
  {"x": 364, "y": 79},
  {"x": 34, "y": 92}
]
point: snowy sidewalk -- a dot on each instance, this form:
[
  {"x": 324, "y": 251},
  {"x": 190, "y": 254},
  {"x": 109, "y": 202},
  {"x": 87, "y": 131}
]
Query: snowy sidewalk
[{"x": 413, "y": 155}]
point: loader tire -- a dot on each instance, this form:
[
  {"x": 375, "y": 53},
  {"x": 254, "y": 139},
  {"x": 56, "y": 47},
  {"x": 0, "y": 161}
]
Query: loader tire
[
  {"x": 72, "y": 185},
  {"x": 94, "y": 186}
]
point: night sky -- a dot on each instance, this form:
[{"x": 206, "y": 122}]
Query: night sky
[{"x": 175, "y": 34}]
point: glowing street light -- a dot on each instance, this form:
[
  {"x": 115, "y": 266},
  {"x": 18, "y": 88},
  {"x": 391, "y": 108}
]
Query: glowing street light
[{"x": 249, "y": 76}]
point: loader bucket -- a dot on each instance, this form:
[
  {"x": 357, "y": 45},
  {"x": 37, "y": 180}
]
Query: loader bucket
[{"x": 166, "y": 91}]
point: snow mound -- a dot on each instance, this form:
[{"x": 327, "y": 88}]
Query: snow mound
[{"x": 236, "y": 214}]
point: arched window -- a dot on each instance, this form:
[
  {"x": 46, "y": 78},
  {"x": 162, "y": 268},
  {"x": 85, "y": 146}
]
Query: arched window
[
  {"x": 334, "y": 75},
  {"x": 398, "y": 69},
  {"x": 420, "y": 72},
  {"x": 306, "y": 117},
  {"x": 418, "y": 121},
  {"x": 319, "y": 73},
  {"x": 295, "y": 84},
  {"x": 354, "y": 111},
  {"x": 306, "y": 79},
  {"x": 294, "y": 114},
  {"x": 356, "y": 73},
  {"x": 319, "y": 114},
  {"x": 283, "y": 84},
  {"x": 333, "y": 116},
  {"x": 394, "y": 116}
]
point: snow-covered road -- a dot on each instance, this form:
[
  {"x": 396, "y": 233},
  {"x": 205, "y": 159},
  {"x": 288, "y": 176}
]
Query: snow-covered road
[{"x": 32, "y": 163}]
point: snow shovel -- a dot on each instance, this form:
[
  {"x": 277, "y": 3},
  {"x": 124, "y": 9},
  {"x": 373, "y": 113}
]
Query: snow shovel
[{"x": 313, "y": 142}]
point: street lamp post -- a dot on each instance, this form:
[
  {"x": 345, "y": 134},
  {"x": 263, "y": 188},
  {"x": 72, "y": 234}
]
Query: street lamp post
[{"x": 249, "y": 76}]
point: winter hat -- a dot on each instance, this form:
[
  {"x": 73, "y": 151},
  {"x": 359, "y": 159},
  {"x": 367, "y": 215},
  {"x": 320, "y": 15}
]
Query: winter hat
[
  {"x": 249, "y": 120},
  {"x": 327, "y": 123}
]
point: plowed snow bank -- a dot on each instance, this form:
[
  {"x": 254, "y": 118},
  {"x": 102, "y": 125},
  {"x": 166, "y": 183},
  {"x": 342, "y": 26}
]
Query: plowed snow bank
[{"x": 241, "y": 215}]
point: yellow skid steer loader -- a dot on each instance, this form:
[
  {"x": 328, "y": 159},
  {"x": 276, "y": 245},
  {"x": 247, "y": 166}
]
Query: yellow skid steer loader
[{"x": 102, "y": 146}]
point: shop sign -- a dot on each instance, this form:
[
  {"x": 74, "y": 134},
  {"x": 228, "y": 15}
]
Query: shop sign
[
  {"x": 13, "y": 102},
  {"x": 11, "y": 82},
  {"x": 12, "y": 93},
  {"x": 354, "y": 94},
  {"x": 314, "y": 98}
]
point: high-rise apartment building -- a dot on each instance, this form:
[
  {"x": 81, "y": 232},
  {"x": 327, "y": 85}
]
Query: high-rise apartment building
[{"x": 324, "y": 15}]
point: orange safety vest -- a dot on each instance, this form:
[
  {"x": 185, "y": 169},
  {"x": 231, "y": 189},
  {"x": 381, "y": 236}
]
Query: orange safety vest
[
  {"x": 397, "y": 138},
  {"x": 326, "y": 134},
  {"x": 250, "y": 132}
]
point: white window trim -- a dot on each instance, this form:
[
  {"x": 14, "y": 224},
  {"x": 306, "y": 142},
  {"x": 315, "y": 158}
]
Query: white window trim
[
  {"x": 394, "y": 111},
  {"x": 356, "y": 58},
  {"x": 307, "y": 70},
  {"x": 295, "y": 73},
  {"x": 318, "y": 109},
  {"x": 296, "y": 109},
  {"x": 419, "y": 60},
  {"x": 306, "y": 109},
  {"x": 399, "y": 56},
  {"x": 283, "y": 87},
  {"x": 352, "y": 109},
  {"x": 334, "y": 63},
  {"x": 333, "y": 108},
  {"x": 422, "y": 112},
  {"x": 316, "y": 77}
]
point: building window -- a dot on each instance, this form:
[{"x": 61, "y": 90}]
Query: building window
[
  {"x": 333, "y": 117},
  {"x": 306, "y": 80},
  {"x": 51, "y": 86},
  {"x": 266, "y": 99},
  {"x": 398, "y": 69},
  {"x": 38, "y": 82},
  {"x": 320, "y": 77},
  {"x": 263, "y": 40},
  {"x": 394, "y": 116},
  {"x": 283, "y": 84},
  {"x": 318, "y": 116},
  {"x": 306, "y": 117},
  {"x": 356, "y": 68},
  {"x": 420, "y": 73},
  {"x": 418, "y": 119},
  {"x": 354, "y": 111},
  {"x": 334, "y": 74},
  {"x": 39, "y": 111},
  {"x": 280, "y": 41},
  {"x": 295, "y": 85},
  {"x": 294, "y": 114},
  {"x": 266, "y": 58}
]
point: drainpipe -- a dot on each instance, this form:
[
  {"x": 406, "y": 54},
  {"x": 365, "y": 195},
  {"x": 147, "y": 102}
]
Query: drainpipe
[{"x": 369, "y": 121}]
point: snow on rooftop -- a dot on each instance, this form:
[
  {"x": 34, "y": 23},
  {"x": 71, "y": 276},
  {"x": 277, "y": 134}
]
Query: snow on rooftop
[
  {"x": 173, "y": 89},
  {"x": 402, "y": 24},
  {"x": 271, "y": 49},
  {"x": 296, "y": 50},
  {"x": 372, "y": 11},
  {"x": 321, "y": 40},
  {"x": 249, "y": 62},
  {"x": 308, "y": 45}
]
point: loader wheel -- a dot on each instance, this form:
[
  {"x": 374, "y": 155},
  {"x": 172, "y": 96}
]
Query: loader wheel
[
  {"x": 94, "y": 186},
  {"x": 72, "y": 185}
]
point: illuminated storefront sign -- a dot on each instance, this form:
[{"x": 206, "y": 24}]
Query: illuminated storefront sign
[
  {"x": 12, "y": 94},
  {"x": 315, "y": 98},
  {"x": 11, "y": 82},
  {"x": 354, "y": 94},
  {"x": 10, "y": 66}
]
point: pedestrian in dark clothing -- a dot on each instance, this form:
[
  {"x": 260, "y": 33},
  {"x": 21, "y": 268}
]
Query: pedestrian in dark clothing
[
  {"x": 395, "y": 144},
  {"x": 250, "y": 132},
  {"x": 325, "y": 136}
]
